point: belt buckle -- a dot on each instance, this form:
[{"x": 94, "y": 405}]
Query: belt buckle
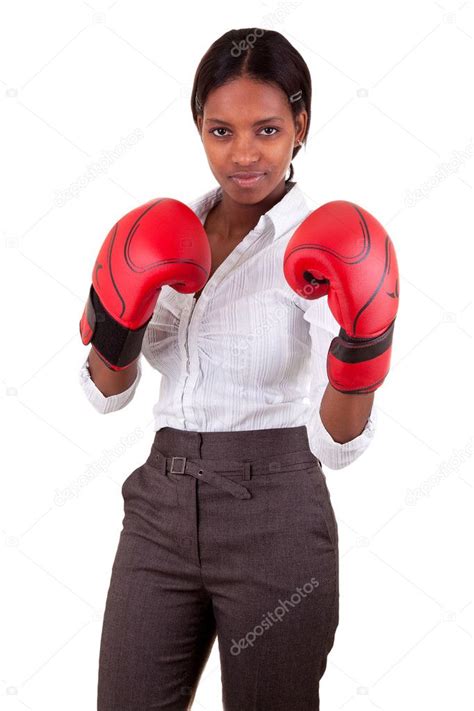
[{"x": 172, "y": 470}]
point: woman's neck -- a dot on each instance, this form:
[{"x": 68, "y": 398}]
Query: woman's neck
[{"x": 231, "y": 219}]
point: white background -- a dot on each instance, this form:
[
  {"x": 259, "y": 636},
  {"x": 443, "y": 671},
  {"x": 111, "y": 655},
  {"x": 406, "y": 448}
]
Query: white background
[{"x": 391, "y": 131}]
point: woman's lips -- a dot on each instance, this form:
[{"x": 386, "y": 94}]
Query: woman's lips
[{"x": 247, "y": 182}]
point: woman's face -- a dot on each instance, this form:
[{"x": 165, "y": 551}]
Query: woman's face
[{"x": 247, "y": 127}]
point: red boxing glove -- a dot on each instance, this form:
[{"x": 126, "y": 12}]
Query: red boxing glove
[
  {"x": 160, "y": 242},
  {"x": 341, "y": 250}
]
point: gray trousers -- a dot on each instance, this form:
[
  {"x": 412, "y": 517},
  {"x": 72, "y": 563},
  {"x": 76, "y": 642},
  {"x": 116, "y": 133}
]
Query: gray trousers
[{"x": 227, "y": 534}]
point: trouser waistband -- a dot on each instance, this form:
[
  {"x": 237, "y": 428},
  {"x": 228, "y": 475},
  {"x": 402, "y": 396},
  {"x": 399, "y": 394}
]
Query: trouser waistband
[{"x": 237, "y": 445}]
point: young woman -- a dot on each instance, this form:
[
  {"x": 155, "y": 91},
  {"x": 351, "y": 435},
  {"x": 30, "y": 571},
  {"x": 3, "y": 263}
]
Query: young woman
[{"x": 229, "y": 529}]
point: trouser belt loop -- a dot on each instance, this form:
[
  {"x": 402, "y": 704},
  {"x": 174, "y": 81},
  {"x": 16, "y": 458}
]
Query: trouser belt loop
[{"x": 247, "y": 471}]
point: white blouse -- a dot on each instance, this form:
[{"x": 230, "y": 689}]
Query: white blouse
[{"x": 250, "y": 353}]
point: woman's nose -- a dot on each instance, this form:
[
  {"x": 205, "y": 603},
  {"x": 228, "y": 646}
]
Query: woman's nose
[{"x": 245, "y": 152}]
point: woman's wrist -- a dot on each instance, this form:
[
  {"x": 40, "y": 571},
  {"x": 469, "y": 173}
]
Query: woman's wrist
[
  {"x": 108, "y": 381},
  {"x": 343, "y": 415}
]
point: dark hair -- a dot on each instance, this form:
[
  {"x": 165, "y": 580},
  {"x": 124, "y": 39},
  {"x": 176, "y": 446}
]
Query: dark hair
[{"x": 262, "y": 55}]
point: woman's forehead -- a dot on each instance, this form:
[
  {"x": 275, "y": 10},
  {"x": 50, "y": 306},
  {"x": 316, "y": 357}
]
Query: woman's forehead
[{"x": 253, "y": 102}]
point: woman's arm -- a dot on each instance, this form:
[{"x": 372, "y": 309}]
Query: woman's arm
[
  {"x": 345, "y": 416},
  {"x": 110, "y": 382}
]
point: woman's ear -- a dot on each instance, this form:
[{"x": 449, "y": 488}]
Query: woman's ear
[{"x": 301, "y": 123}]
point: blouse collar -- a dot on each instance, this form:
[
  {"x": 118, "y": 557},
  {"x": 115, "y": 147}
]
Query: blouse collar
[{"x": 286, "y": 214}]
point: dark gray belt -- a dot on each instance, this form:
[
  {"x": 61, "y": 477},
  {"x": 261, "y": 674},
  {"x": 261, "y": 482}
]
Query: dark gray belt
[{"x": 206, "y": 469}]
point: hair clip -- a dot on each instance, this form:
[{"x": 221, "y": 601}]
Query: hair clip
[{"x": 296, "y": 97}]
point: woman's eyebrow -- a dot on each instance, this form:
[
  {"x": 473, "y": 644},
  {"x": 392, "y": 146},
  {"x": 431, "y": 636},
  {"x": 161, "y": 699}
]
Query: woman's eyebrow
[{"x": 257, "y": 123}]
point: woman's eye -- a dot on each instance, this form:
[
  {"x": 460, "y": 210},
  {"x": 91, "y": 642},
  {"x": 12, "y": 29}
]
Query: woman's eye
[
  {"x": 218, "y": 129},
  {"x": 265, "y": 128}
]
